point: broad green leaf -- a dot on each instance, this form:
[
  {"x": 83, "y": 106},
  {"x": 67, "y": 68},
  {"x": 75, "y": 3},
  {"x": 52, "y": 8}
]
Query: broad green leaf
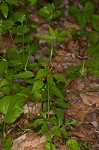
[
  {"x": 49, "y": 146},
  {"x": 53, "y": 120},
  {"x": 28, "y": 38},
  {"x": 7, "y": 25},
  {"x": 50, "y": 80},
  {"x": 38, "y": 84},
  {"x": 74, "y": 11},
  {"x": 35, "y": 46},
  {"x": 95, "y": 22},
  {"x": 21, "y": 30},
  {"x": 93, "y": 51},
  {"x": 82, "y": 20},
  {"x": 37, "y": 122},
  {"x": 56, "y": 91},
  {"x": 64, "y": 132},
  {"x": 52, "y": 33},
  {"x": 56, "y": 131},
  {"x": 4, "y": 8},
  {"x": 8, "y": 143},
  {"x": 89, "y": 10},
  {"x": 4, "y": 82},
  {"x": 94, "y": 66},
  {"x": 3, "y": 67},
  {"x": 12, "y": 53},
  {"x": 25, "y": 75},
  {"x": 19, "y": 16},
  {"x": 61, "y": 36},
  {"x": 11, "y": 107},
  {"x": 93, "y": 37},
  {"x": 60, "y": 77},
  {"x": 43, "y": 114},
  {"x": 60, "y": 116},
  {"x": 43, "y": 62},
  {"x": 61, "y": 103},
  {"x": 41, "y": 73},
  {"x": 12, "y": 2},
  {"x": 73, "y": 144},
  {"x": 44, "y": 128},
  {"x": 5, "y": 90}
]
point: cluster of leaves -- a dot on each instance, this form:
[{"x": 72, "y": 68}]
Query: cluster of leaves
[
  {"x": 88, "y": 14},
  {"x": 22, "y": 80}
]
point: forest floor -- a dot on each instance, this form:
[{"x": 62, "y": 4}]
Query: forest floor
[{"x": 83, "y": 94}]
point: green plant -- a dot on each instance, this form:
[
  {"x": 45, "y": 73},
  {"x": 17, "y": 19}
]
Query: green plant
[
  {"x": 49, "y": 12},
  {"x": 82, "y": 16},
  {"x": 22, "y": 80}
]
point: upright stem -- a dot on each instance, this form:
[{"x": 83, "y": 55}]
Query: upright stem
[
  {"x": 3, "y": 133},
  {"x": 51, "y": 53},
  {"x": 48, "y": 100}
]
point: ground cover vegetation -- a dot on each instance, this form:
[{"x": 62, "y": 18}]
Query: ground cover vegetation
[{"x": 23, "y": 80}]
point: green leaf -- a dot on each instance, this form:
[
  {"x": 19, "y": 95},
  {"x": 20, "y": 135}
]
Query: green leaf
[
  {"x": 52, "y": 33},
  {"x": 49, "y": 146},
  {"x": 8, "y": 143},
  {"x": 61, "y": 103},
  {"x": 44, "y": 37},
  {"x": 60, "y": 77},
  {"x": 12, "y": 53},
  {"x": 3, "y": 67},
  {"x": 82, "y": 20},
  {"x": 19, "y": 16},
  {"x": 60, "y": 116},
  {"x": 93, "y": 37},
  {"x": 73, "y": 144},
  {"x": 95, "y": 22},
  {"x": 53, "y": 120},
  {"x": 64, "y": 132},
  {"x": 56, "y": 91},
  {"x": 7, "y": 25},
  {"x": 28, "y": 38},
  {"x": 94, "y": 66},
  {"x": 11, "y": 107},
  {"x": 43, "y": 63},
  {"x": 56, "y": 131},
  {"x": 36, "y": 123},
  {"x": 21, "y": 30},
  {"x": 61, "y": 36},
  {"x": 89, "y": 10},
  {"x": 6, "y": 90},
  {"x": 41, "y": 73},
  {"x": 35, "y": 46},
  {"x": 44, "y": 128},
  {"x": 12, "y": 2},
  {"x": 4, "y": 8},
  {"x": 38, "y": 84},
  {"x": 4, "y": 82},
  {"x": 93, "y": 51},
  {"x": 74, "y": 11},
  {"x": 25, "y": 75}
]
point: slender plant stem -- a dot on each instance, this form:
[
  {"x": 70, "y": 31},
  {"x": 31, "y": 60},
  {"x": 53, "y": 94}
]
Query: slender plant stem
[
  {"x": 48, "y": 100},
  {"x": 3, "y": 133},
  {"x": 51, "y": 53}
]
